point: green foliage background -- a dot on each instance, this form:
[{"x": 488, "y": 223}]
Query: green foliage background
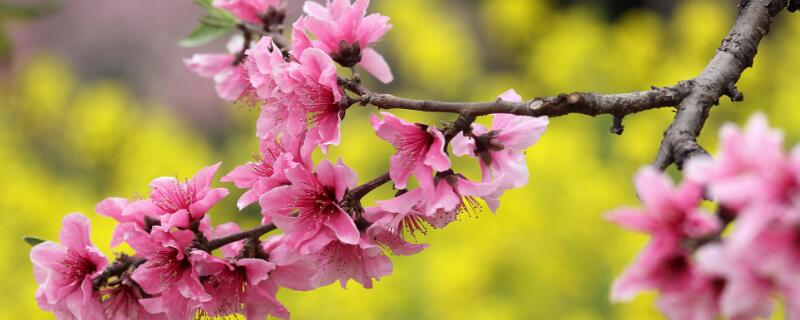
[{"x": 547, "y": 254}]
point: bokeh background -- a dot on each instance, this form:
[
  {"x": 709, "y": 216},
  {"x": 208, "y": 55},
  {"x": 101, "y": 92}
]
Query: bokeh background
[{"x": 94, "y": 102}]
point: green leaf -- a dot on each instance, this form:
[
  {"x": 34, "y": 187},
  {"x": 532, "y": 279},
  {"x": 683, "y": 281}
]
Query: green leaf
[
  {"x": 203, "y": 34},
  {"x": 32, "y": 240},
  {"x": 219, "y": 21}
]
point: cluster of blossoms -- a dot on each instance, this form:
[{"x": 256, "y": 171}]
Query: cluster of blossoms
[
  {"x": 702, "y": 271},
  {"x": 183, "y": 266}
]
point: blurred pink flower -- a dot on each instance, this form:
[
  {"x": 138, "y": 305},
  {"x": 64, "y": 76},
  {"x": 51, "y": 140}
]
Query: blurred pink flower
[
  {"x": 747, "y": 161},
  {"x": 671, "y": 215},
  {"x": 420, "y": 148},
  {"x": 249, "y": 10},
  {"x": 65, "y": 272}
]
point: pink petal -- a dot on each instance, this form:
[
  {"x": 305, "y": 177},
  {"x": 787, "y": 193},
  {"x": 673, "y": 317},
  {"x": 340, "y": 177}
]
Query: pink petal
[
  {"x": 344, "y": 227},
  {"x": 462, "y": 145},
  {"x": 633, "y": 220},
  {"x": 436, "y": 158},
  {"x": 257, "y": 269},
  {"x": 112, "y": 207},
  {"x": 374, "y": 63},
  {"x": 75, "y": 231}
]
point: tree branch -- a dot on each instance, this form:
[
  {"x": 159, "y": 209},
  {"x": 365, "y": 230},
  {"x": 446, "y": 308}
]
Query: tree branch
[
  {"x": 718, "y": 78},
  {"x": 587, "y": 103},
  {"x": 359, "y": 192},
  {"x": 249, "y": 234}
]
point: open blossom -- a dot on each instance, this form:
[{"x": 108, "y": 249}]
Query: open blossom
[
  {"x": 168, "y": 274},
  {"x": 292, "y": 269},
  {"x": 230, "y": 77},
  {"x": 253, "y": 11},
  {"x": 65, "y": 272},
  {"x": 121, "y": 302},
  {"x": 501, "y": 150},
  {"x": 344, "y": 31},
  {"x": 238, "y": 286},
  {"x": 128, "y": 224},
  {"x": 178, "y": 204},
  {"x": 313, "y": 86},
  {"x": 449, "y": 194},
  {"x": 265, "y": 68},
  {"x": 269, "y": 170},
  {"x": 388, "y": 228},
  {"x": 362, "y": 262},
  {"x": 407, "y": 214},
  {"x": 671, "y": 215},
  {"x": 309, "y": 209},
  {"x": 419, "y": 148}
]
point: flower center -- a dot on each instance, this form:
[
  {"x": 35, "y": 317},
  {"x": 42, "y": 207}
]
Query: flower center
[
  {"x": 175, "y": 196},
  {"x": 77, "y": 266}
]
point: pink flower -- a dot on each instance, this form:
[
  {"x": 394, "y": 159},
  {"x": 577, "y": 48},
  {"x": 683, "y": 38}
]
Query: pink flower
[
  {"x": 122, "y": 302},
  {"x": 420, "y": 148},
  {"x": 698, "y": 301},
  {"x": 671, "y": 216},
  {"x": 746, "y": 295},
  {"x": 388, "y": 228},
  {"x": 265, "y": 67},
  {"x": 314, "y": 89},
  {"x": 168, "y": 273},
  {"x": 128, "y": 224},
  {"x": 252, "y": 11},
  {"x": 65, "y": 272},
  {"x": 309, "y": 209},
  {"x": 292, "y": 270},
  {"x": 669, "y": 212},
  {"x": 238, "y": 286},
  {"x": 757, "y": 270},
  {"x": 178, "y": 204},
  {"x": 750, "y": 166},
  {"x": 361, "y": 262},
  {"x": 450, "y": 194},
  {"x": 343, "y": 31},
  {"x": 231, "y": 80},
  {"x": 501, "y": 150},
  {"x": 269, "y": 169},
  {"x": 405, "y": 214}
]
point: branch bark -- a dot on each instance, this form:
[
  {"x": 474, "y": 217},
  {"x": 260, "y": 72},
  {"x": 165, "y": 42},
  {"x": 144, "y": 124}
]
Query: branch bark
[
  {"x": 587, "y": 103},
  {"x": 718, "y": 78}
]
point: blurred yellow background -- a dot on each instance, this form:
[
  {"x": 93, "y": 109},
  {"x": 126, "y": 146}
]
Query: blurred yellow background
[{"x": 65, "y": 144}]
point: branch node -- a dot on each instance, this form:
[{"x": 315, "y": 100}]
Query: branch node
[
  {"x": 617, "y": 127},
  {"x": 734, "y": 93}
]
